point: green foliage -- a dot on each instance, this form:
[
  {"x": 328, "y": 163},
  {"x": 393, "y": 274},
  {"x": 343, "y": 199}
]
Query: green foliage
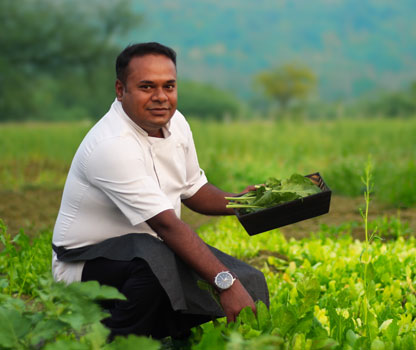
[
  {"x": 21, "y": 263},
  {"x": 272, "y": 193},
  {"x": 56, "y": 55},
  {"x": 286, "y": 83},
  {"x": 316, "y": 296},
  {"x": 393, "y": 104},
  {"x": 390, "y": 227},
  {"x": 236, "y": 154},
  {"x": 246, "y": 153},
  {"x": 206, "y": 101},
  {"x": 62, "y": 317},
  {"x": 38, "y": 313}
]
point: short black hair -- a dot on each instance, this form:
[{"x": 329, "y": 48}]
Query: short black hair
[{"x": 137, "y": 50}]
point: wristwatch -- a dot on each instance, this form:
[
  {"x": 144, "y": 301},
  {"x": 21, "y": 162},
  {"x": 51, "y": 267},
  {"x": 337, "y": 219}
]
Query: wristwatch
[{"x": 224, "y": 280}]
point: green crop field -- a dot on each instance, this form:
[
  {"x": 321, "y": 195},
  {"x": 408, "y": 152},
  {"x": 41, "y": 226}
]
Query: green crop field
[
  {"x": 236, "y": 154},
  {"x": 327, "y": 290}
]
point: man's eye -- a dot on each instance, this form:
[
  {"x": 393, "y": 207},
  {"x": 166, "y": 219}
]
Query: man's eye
[
  {"x": 170, "y": 87},
  {"x": 145, "y": 87}
]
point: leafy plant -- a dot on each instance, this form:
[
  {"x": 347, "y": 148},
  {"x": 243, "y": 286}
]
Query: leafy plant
[
  {"x": 22, "y": 262},
  {"x": 366, "y": 258},
  {"x": 272, "y": 193},
  {"x": 62, "y": 317}
]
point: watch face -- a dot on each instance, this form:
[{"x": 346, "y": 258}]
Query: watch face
[{"x": 224, "y": 280}]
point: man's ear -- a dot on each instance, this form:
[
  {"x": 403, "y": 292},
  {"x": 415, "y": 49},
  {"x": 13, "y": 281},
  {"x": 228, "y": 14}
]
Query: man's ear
[{"x": 119, "y": 89}]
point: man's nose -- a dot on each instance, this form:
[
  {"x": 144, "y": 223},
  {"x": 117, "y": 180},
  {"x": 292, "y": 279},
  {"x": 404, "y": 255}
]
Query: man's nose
[{"x": 159, "y": 95}]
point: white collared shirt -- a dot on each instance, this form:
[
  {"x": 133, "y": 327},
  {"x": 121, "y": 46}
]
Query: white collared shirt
[{"x": 119, "y": 178}]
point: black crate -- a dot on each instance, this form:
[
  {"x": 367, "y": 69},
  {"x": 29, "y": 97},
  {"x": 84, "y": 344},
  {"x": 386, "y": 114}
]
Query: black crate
[{"x": 289, "y": 212}]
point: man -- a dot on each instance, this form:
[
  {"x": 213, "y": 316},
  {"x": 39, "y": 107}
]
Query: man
[{"x": 119, "y": 217}]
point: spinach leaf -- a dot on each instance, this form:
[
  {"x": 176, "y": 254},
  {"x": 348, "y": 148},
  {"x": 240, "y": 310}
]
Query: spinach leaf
[{"x": 272, "y": 193}]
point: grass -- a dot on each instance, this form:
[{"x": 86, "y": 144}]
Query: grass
[
  {"x": 239, "y": 153},
  {"x": 236, "y": 154}
]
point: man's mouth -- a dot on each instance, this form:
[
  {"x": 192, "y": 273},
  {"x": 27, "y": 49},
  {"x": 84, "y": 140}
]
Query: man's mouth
[{"x": 159, "y": 109}]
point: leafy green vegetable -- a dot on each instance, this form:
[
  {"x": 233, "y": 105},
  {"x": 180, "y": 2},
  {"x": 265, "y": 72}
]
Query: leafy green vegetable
[{"x": 272, "y": 193}]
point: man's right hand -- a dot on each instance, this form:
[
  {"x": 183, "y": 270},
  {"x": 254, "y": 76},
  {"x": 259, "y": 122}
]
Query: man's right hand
[{"x": 234, "y": 299}]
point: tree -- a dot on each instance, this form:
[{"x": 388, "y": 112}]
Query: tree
[
  {"x": 206, "y": 101},
  {"x": 287, "y": 83},
  {"x": 49, "y": 46},
  {"x": 394, "y": 104}
]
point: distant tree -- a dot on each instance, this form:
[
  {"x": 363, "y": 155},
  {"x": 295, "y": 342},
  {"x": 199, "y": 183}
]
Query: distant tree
[
  {"x": 206, "y": 101},
  {"x": 287, "y": 83},
  {"x": 393, "y": 104},
  {"x": 412, "y": 89},
  {"x": 53, "y": 53}
]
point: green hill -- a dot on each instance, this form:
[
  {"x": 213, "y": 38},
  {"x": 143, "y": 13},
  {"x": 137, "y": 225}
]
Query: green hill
[{"x": 354, "y": 46}]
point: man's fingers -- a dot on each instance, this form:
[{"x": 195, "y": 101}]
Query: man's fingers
[
  {"x": 248, "y": 189},
  {"x": 234, "y": 300}
]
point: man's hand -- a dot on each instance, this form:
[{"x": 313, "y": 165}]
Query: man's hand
[
  {"x": 248, "y": 189},
  {"x": 210, "y": 200},
  {"x": 234, "y": 299}
]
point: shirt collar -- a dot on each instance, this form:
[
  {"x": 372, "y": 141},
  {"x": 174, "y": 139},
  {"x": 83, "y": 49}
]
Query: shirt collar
[{"x": 120, "y": 111}]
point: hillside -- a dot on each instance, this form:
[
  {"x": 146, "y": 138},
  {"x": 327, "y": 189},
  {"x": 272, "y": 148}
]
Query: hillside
[{"x": 355, "y": 47}]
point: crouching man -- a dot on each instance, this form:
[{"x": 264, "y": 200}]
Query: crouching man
[{"x": 119, "y": 221}]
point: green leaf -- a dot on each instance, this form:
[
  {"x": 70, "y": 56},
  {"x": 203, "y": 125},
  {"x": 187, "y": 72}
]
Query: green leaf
[
  {"x": 351, "y": 337},
  {"x": 268, "y": 199},
  {"x": 298, "y": 342},
  {"x": 273, "y": 193},
  {"x": 262, "y": 342},
  {"x": 46, "y": 330},
  {"x": 273, "y": 183},
  {"x": 304, "y": 325},
  {"x": 392, "y": 331},
  {"x": 96, "y": 336},
  {"x": 324, "y": 344},
  {"x": 4, "y": 283},
  {"x": 371, "y": 291},
  {"x": 74, "y": 319},
  {"x": 263, "y": 317},
  {"x": 285, "y": 319},
  {"x": 300, "y": 185},
  {"x": 248, "y": 317},
  {"x": 372, "y": 325},
  {"x": 377, "y": 344},
  {"x": 211, "y": 339},
  {"x": 94, "y": 291},
  {"x": 65, "y": 344},
  {"x": 250, "y": 333},
  {"x": 407, "y": 342},
  {"x": 13, "y": 326}
]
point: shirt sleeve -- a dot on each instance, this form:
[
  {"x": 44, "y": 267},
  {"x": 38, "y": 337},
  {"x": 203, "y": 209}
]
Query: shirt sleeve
[
  {"x": 116, "y": 167},
  {"x": 195, "y": 176}
]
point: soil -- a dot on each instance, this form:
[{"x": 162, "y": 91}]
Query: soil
[{"x": 34, "y": 210}]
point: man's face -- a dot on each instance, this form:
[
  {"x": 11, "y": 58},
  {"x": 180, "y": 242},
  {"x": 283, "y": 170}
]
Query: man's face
[{"x": 149, "y": 96}]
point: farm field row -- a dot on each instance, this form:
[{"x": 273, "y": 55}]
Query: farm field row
[
  {"x": 328, "y": 290},
  {"x": 320, "y": 296},
  {"x": 235, "y": 154}
]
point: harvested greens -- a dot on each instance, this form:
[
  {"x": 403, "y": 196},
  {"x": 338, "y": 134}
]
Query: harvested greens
[{"x": 272, "y": 193}]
